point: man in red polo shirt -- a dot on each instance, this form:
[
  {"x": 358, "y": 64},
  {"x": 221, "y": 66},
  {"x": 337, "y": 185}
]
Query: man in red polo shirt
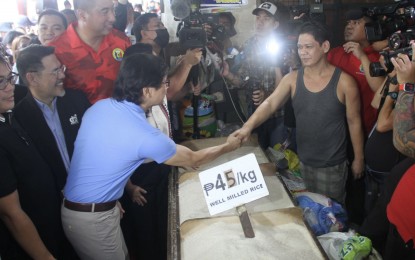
[
  {"x": 91, "y": 49},
  {"x": 354, "y": 57}
]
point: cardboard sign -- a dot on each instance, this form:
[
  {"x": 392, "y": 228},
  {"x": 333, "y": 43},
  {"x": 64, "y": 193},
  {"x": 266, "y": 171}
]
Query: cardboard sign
[{"x": 232, "y": 184}]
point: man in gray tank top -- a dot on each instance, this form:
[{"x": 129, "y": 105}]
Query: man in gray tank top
[{"x": 325, "y": 101}]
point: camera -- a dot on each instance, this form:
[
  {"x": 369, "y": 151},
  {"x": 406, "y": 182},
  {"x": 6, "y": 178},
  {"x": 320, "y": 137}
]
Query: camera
[
  {"x": 389, "y": 19},
  {"x": 255, "y": 81},
  {"x": 190, "y": 31},
  {"x": 313, "y": 12},
  {"x": 401, "y": 40},
  {"x": 376, "y": 69}
]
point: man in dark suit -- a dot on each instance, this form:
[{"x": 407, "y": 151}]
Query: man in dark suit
[{"x": 50, "y": 114}]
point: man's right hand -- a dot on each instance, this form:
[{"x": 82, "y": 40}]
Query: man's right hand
[
  {"x": 233, "y": 141},
  {"x": 243, "y": 134},
  {"x": 193, "y": 56}
]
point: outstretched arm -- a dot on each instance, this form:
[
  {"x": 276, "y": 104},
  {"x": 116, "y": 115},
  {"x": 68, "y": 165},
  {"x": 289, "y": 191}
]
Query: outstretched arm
[
  {"x": 277, "y": 99},
  {"x": 188, "y": 158}
]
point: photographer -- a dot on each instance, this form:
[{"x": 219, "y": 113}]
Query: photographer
[
  {"x": 380, "y": 154},
  {"x": 354, "y": 58},
  {"x": 218, "y": 49},
  {"x": 261, "y": 70},
  {"x": 390, "y": 224}
]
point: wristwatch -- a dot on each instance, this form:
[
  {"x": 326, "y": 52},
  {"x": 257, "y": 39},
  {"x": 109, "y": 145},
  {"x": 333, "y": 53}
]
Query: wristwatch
[
  {"x": 407, "y": 87},
  {"x": 393, "y": 95}
]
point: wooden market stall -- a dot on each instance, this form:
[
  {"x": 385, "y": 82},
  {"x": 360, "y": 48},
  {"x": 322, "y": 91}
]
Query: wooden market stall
[{"x": 279, "y": 227}]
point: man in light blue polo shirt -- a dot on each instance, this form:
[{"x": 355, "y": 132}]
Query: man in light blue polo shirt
[{"x": 113, "y": 141}]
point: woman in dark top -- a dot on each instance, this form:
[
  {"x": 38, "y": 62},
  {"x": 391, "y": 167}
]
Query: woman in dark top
[{"x": 30, "y": 225}]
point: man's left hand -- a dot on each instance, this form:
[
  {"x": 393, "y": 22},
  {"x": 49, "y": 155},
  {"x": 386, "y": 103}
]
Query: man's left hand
[{"x": 354, "y": 47}]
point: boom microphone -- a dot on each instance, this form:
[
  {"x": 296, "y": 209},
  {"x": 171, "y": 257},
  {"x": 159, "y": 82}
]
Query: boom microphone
[{"x": 180, "y": 8}]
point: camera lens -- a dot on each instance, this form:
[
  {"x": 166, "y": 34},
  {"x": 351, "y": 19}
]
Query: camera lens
[
  {"x": 396, "y": 41},
  {"x": 376, "y": 70}
]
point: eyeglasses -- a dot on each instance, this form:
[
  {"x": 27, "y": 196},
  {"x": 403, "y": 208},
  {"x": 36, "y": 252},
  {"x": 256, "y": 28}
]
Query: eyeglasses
[
  {"x": 11, "y": 78},
  {"x": 166, "y": 83},
  {"x": 56, "y": 72}
]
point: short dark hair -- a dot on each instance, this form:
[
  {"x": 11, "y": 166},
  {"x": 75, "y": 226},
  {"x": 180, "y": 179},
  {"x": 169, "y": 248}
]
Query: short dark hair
[
  {"x": 136, "y": 72},
  {"x": 55, "y": 13},
  {"x": 138, "y": 48},
  {"x": 10, "y": 36},
  {"x": 30, "y": 59},
  {"x": 318, "y": 30},
  {"x": 140, "y": 23}
]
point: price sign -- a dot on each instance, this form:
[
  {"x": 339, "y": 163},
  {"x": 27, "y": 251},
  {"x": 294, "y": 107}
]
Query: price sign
[{"x": 232, "y": 184}]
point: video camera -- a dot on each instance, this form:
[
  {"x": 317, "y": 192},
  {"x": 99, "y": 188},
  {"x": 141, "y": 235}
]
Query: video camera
[
  {"x": 376, "y": 69},
  {"x": 313, "y": 12},
  {"x": 190, "y": 31},
  {"x": 389, "y": 19}
]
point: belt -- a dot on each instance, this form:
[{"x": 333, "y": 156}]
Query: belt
[{"x": 89, "y": 207}]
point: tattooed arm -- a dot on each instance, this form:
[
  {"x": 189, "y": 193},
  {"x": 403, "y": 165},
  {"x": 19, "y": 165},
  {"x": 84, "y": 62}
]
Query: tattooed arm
[
  {"x": 404, "y": 124},
  {"x": 404, "y": 119}
]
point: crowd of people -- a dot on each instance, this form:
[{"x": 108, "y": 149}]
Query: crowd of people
[{"x": 90, "y": 114}]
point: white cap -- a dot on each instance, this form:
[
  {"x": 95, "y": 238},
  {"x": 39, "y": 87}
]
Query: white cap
[{"x": 267, "y": 7}]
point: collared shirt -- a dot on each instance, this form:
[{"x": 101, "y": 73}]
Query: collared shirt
[
  {"x": 52, "y": 119},
  {"x": 114, "y": 139},
  {"x": 93, "y": 72}
]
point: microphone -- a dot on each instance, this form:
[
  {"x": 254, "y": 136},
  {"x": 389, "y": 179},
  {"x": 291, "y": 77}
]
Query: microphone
[{"x": 180, "y": 8}]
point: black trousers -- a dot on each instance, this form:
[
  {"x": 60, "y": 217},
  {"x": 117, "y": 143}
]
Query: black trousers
[
  {"x": 145, "y": 227},
  {"x": 376, "y": 226},
  {"x": 396, "y": 248}
]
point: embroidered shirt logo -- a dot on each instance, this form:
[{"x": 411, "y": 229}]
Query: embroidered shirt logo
[
  {"x": 117, "y": 54},
  {"x": 74, "y": 120}
]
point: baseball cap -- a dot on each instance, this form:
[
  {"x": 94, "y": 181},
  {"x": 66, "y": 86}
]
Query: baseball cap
[
  {"x": 267, "y": 7},
  {"x": 354, "y": 14},
  {"x": 5, "y": 27}
]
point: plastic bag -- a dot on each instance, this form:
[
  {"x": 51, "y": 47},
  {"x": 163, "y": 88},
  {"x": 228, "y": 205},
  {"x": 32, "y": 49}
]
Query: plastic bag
[
  {"x": 321, "y": 213},
  {"x": 347, "y": 246}
]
